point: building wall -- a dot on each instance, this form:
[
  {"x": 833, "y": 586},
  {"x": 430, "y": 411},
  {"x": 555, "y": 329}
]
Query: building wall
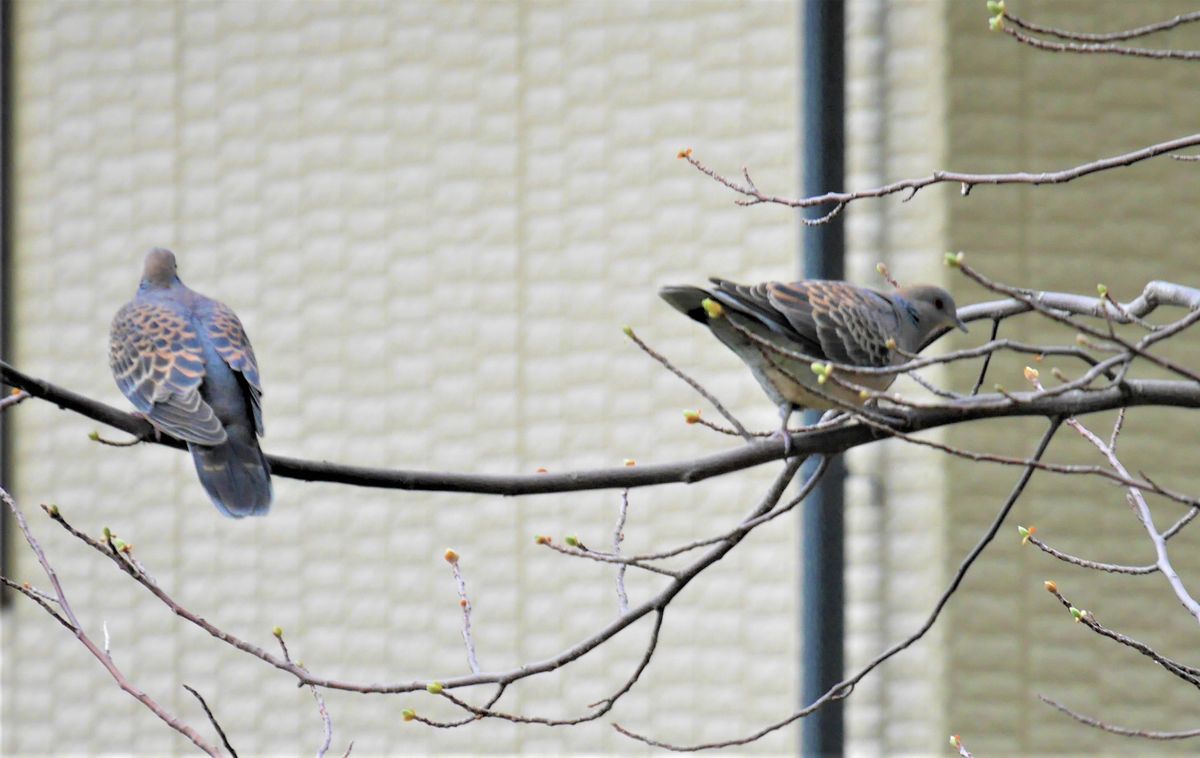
[
  {"x": 896, "y": 125},
  {"x": 1018, "y": 108},
  {"x": 434, "y": 220},
  {"x": 930, "y": 87}
]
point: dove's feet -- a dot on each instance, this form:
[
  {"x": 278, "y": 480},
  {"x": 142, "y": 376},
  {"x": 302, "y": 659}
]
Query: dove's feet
[
  {"x": 155, "y": 432},
  {"x": 785, "y": 415}
]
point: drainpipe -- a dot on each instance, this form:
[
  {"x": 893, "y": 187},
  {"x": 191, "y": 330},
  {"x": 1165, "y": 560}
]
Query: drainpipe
[{"x": 822, "y": 149}]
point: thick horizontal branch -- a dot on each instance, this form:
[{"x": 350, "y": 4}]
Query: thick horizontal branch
[{"x": 1140, "y": 392}]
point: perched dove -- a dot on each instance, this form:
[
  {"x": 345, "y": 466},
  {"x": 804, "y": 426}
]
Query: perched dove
[
  {"x": 184, "y": 361},
  {"x": 824, "y": 320}
]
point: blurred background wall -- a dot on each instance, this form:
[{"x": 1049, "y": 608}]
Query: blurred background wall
[{"x": 434, "y": 219}]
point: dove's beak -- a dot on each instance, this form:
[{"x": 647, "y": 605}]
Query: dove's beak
[{"x": 959, "y": 323}]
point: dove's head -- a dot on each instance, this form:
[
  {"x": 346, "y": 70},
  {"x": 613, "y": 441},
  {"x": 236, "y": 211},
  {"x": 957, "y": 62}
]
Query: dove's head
[
  {"x": 160, "y": 271},
  {"x": 933, "y": 306}
]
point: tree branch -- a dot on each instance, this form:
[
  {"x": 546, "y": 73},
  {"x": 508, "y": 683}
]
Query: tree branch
[
  {"x": 1140, "y": 392},
  {"x": 843, "y": 688},
  {"x": 965, "y": 180},
  {"x": 1123, "y": 731}
]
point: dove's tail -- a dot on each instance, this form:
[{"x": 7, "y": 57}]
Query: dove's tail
[
  {"x": 687, "y": 300},
  {"x": 235, "y": 474}
]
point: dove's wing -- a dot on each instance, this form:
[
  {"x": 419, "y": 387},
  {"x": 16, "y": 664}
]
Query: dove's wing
[
  {"x": 831, "y": 320},
  {"x": 157, "y": 360},
  {"x": 225, "y": 333}
]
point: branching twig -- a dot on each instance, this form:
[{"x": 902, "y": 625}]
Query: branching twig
[
  {"x": 1140, "y": 31},
  {"x": 843, "y": 688},
  {"x": 965, "y": 180},
  {"x": 326, "y": 721},
  {"x": 69, "y": 620},
  {"x": 1187, "y": 673},
  {"x": 1100, "y": 48}
]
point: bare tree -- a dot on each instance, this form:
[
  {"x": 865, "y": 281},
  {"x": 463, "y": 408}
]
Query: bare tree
[{"x": 1114, "y": 340}]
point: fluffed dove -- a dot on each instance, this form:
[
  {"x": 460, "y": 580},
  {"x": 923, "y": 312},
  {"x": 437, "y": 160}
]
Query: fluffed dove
[
  {"x": 185, "y": 363},
  {"x": 823, "y": 320}
]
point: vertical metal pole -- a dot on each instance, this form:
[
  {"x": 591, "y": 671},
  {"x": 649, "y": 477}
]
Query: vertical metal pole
[{"x": 822, "y": 618}]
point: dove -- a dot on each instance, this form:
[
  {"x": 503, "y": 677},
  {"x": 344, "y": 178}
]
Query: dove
[
  {"x": 185, "y": 363},
  {"x": 822, "y": 320}
]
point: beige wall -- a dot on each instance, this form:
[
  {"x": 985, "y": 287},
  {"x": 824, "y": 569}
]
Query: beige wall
[
  {"x": 1017, "y": 108},
  {"x": 930, "y": 87},
  {"x": 434, "y": 219}
]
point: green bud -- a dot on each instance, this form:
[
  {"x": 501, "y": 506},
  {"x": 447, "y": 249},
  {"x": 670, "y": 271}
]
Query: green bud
[
  {"x": 628, "y": 330},
  {"x": 408, "y": 714},
  {"x": 1101, "y": 290},
  {"x": 107, "y": 533},
  {"x": 277, "y": 631},
  {"x": 1022, "y": 531},
  {"x": 954, "y": 260},
  {"x": 434, "y": 688},
  {"x": 572, "y": 540},
  {"x": 94, "y": 436},
  {"x": 996, "y": 23}
]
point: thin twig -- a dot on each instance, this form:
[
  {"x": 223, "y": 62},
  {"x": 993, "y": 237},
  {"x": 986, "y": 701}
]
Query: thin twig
[
  {"x": 1122, "y": 731},
  {"x": 1187, "y": 673},
  {"x": 213, "y": 720},
  {"x": 987, "y": 359},
  {"x": 16, "y": 398},
  {"x": 642, "y": 560},
  {"x": 699, "y": 388},
  {"x": 464, "y": 602},
  {"x": 957, "y": 743},
  {"x": 1140, "y": 31},
  {"x": 326, "y": 721},
  {"x": 601, "y": 706},
  {"x": 618, "y": 538},
  {"x": 1096, "y": 48}
]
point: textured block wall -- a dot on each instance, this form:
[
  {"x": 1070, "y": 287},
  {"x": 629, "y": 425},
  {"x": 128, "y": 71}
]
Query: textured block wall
[{"x": 434, "y": 219}]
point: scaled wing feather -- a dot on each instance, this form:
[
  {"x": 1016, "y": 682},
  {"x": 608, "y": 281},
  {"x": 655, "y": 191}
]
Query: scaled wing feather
[
  {"x": 158, "y": 363},
  {"x": 228, "y": 338}
]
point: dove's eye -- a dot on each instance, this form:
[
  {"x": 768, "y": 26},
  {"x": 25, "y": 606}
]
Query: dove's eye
[{"x": 939, "y": 304}]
